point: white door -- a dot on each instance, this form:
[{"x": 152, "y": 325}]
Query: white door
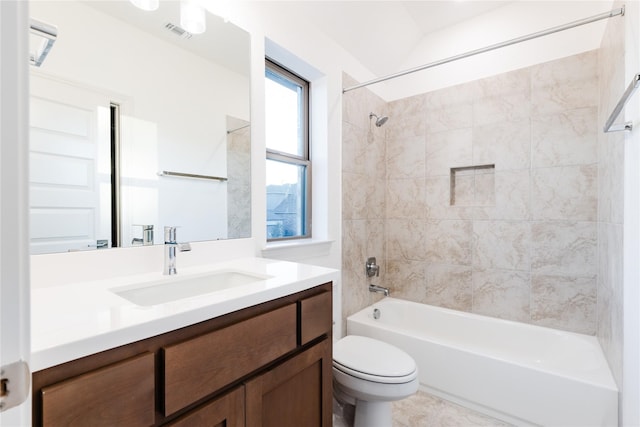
[
  {"x": 69, "y": 166},
  {"x": 14, "y": 215}
]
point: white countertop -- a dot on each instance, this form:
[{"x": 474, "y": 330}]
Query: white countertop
[{"x": 79, "y": 319}]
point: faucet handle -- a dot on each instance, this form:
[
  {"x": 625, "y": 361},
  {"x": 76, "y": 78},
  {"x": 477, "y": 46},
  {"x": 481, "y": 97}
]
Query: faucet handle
[
  {"x": 170, "y": 234},
  {"x": 372, "y": 268}
]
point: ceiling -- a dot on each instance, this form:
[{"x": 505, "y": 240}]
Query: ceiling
[
  {"x": 232, "y": 54},
  {"x": 381, "y": 34}
]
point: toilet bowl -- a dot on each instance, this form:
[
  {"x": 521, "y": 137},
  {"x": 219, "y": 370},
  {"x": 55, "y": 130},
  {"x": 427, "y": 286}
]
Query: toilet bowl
[{"x": 370, "y": 374}]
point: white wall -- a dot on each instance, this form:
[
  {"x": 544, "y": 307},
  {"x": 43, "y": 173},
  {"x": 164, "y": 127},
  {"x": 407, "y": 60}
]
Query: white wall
[{"x": 630, "y": 409}]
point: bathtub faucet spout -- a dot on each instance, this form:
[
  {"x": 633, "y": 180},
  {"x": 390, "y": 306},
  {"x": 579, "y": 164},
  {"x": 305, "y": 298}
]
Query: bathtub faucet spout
[{"x": 379, "y": 289}]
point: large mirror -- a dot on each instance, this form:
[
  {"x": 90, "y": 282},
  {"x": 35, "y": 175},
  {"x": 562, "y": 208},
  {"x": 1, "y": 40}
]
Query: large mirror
[{"x": 136, "y": 125}]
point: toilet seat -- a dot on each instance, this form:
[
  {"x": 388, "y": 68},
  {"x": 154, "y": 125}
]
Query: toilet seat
[{"x": 373, "y": 360}]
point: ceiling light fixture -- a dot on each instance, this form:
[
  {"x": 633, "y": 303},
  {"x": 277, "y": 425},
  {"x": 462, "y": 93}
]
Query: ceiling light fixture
[
  {"x": 148, "y": 5},
  {"x": 192, "y": 17}
]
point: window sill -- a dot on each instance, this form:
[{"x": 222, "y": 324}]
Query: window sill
[{"x": 297, "y": 250}]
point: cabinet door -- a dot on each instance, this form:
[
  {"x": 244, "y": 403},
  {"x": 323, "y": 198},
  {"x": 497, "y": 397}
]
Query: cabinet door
[
  {"x": 226, "y": 411},
  {"x": 293, "y": 394},
  {"x": 120, "y": 395}
]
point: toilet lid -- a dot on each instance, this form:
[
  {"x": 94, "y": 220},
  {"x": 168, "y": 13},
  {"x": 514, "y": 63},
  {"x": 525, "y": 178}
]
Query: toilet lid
[{"x": 367, "y": 358}]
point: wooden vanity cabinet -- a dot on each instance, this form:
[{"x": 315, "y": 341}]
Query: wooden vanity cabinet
[{"x": 266, "y": 365}]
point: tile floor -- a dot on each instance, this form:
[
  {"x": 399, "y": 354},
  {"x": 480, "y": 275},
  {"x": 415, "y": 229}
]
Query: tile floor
[{"x": 425, "y": 410}]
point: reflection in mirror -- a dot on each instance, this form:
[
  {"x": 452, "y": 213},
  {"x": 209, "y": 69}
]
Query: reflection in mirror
[{"x": 123, "y": 96}]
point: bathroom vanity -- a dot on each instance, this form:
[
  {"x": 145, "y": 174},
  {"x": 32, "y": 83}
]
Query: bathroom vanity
[{"x": 265, "y": 364}]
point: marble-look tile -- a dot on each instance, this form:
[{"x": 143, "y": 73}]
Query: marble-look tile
[
  {"x": 405, "y": 198},
  {"x": 354, "y": 249},
  {"x": 354, "y": 284},
  {"x": 501, "y": 245},
  {"x": 450, "y": 108},
  {"x": 449, "y": 286},
  {"x": 484, "y": 193},
  {"x": 462, "y": 189},
  {"x": 375, "y": 154},
  {"x": 512, "y": 197},
  {"x": 610, "y": 256},
  {"x": 611, "y": 295},
  {"x": 446, "y": 150},
  {"x": 354, "y": 109},
  {"x": 517, "y": 82},
  {"x": 611, "y": 178},
  {"x": 423, "y": 409},
  {"x": 404, "y": 126},
  {"x": 564, "y": 302},
  {"x": 507, "y": 144},
  {"x": 438, "y": 199},
  {"x": 609, "y": 330},
  {"x": 376, "y": 197},
  {"x": 405, "y": 239},
  {"x": 375, "y": 245},
  {"x": 406, "y": 280},
  {"x": 357, "y": 104},
  {"x": 505, "y": 97},
  {"x": 502, "y": 293},
  {"x": 411, "y": 106},
  {"x": 406, "y": 157},
  {"x": 565, "y": 193},
  {"x": 565, "y": 84},
  {"x": 613, "y": 81},
  {"x": 564, "y": 248},
  {"x": 449, "y": 241},
  {"x": 611, "y": 66},
  {"x": 565, "y": 138},
  {"x": 354, "y": 149},
  {"x": 354, "y": 195}
]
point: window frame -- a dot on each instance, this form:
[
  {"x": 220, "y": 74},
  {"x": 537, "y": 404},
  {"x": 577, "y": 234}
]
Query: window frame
[{"x": 294, "y": 159}]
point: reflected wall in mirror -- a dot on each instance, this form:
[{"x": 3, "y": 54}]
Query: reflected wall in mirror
[{"x": 122, "y": 96}]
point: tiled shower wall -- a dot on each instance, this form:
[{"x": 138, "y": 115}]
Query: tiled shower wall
[
  {"x": 363, "y": 196},
  {"x": 611, "y": 199},
  {"x": 485, "y": 198}
]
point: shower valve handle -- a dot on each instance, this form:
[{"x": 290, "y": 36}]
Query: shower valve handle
[{"x": 372, "y": 268}]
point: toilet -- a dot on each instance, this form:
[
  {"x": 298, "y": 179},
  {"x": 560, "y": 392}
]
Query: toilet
[{"x": 370, "y": 374}]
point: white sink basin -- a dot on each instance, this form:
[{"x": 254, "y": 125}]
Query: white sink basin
[{"x": 178, "y": 287}]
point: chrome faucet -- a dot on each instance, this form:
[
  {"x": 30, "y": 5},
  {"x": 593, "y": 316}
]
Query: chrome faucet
[
  {"x": 147, "y": 235},
  {"x": 379, "y": 289},
  {"x": 371, "y": 267},
  {"x": 170, "y": 246}
]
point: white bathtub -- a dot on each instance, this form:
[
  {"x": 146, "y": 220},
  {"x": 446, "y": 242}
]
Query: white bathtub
[{"x": 513, "y": 371}]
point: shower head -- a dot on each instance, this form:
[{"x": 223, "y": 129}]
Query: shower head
[{"x": 379, "y": 120}]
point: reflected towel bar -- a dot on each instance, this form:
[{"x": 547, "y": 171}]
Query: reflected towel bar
[
  {"x": 608, "y": 126},
  {"x": 191, "y": 175}
]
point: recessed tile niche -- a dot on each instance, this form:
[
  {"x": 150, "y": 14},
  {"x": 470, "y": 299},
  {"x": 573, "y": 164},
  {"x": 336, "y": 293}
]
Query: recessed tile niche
[{"x": 473, "y": 186}]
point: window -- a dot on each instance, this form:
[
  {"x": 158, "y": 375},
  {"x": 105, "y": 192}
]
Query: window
[{"x": 288, "y": 163}]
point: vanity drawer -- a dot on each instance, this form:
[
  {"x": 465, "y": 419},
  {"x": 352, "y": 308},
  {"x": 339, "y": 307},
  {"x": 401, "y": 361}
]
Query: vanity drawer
[
  {"x": 315, "y": 316},
  {"x": 121, "y": 394},
  {"x": 198, "y": 367}
]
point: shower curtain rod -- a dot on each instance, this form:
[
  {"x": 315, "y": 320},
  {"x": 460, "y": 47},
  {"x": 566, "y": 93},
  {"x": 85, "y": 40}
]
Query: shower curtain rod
[{"x": 605, "y": 15}]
